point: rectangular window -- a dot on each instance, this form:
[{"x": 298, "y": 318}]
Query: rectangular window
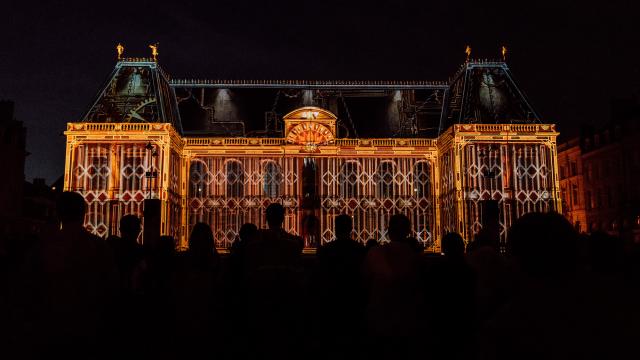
[
  {"x": 574, "y": 168},
  {"x": 574, "y": 195}
]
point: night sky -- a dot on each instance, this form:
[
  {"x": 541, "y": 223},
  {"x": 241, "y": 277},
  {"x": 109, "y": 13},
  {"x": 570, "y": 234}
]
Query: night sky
[{"x": 571, "y": 60}]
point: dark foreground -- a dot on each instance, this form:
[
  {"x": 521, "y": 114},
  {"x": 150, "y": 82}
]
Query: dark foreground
[{"x": 554, "y": 294}]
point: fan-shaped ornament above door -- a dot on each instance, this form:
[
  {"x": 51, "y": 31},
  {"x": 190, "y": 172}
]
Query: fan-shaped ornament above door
[{"x": 310, "y": 127}]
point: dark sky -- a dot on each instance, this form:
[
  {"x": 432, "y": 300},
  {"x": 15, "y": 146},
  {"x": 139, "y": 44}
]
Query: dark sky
[{"x": 570, "y": 59}]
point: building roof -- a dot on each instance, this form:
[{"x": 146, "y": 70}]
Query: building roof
[{"x": 138, "y": 90}]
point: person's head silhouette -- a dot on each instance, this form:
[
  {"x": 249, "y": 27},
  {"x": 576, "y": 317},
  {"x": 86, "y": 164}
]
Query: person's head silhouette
[
  {"x": 453, "y": 245},
  {"x": 201, "y": 240},
  {"x": 344, "y": 226},
  {"x": 544, "y": 244},
  {"x": 275, "y": 216},
  {"x": 399, "y": 227},
  {"x": 130, "y": 227},
  {"x": 248, "y": 232},
  {"x": 70, "y": 208}
]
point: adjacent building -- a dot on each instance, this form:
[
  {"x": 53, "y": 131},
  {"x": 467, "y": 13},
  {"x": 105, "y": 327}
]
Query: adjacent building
[
  {"x": 572, "y": 184},
  {"x": 599, "y": 173}
]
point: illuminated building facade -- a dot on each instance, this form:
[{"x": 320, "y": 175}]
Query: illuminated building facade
[{"x": 220, "y": 151}]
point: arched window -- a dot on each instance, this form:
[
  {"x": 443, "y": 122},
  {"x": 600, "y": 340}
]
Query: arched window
[
  {"x": 349, "y": 175},
  {"x": 235, "y": 178},
  {"x": 197, "y": 179},
  {"x": 271, "y": 179},
  {"x": 422, "y": 179},
  {"x": 384, "y": 179}
]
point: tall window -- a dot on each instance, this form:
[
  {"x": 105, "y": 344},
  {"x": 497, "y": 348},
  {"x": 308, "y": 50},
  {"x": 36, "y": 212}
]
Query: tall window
[
  {"x": 421, "y": 179},
  {"x": 271, "y": 179},
  {"x": 574, "y": 195},
  {"x": 349, "y": 179},
  {"x": 235, "y": 179},
  {"x": 99, "y": 171},
  {"x": 574, "y": 168},
  {"x": 309, "y": 178},
  {"x": 197, "y": 179},
  {"x": 385, "y": 179}
]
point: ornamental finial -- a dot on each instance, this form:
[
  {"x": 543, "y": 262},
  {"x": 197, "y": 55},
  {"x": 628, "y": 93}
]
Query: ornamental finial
[
  {"x": 154, "y": 51},
  {"x": 120, "y": 50},
  {"x": 467, "y": 51}
]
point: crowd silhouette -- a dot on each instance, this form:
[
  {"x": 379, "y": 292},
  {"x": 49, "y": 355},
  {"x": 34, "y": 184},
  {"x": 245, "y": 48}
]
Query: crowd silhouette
[{"x": 550, "y": 293}]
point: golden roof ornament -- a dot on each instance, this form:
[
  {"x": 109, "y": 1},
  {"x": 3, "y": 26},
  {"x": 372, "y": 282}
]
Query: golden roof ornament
[
  {"x": 120, "y": 50},
  {"x": 504, "y": 53},
  {"x": 467, "y": 51},
  {"x": 154, "y": 51}
]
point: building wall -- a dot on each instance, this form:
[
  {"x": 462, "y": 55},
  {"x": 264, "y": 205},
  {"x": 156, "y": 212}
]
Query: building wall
[
  {"x": 572, "y": 185},
  {"x": 604, "y": 167},
  {"x": 225, "y": 182}
]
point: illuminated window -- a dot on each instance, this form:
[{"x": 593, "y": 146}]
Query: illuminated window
[
  {"x": 197, "y": 179},
  {"x": 235, "y": 179},
  {"x": 421, "y": 179},
  {"x": 271, "y": 179},
  {"x": 98, "y": 171},
  {"x": 349, "y": 175},
  {"x": 385, "y": 179},
  {"x": 132, "y": 171}
]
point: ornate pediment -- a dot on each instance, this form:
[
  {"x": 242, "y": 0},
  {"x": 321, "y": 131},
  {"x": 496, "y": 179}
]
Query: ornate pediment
[{"x": 310, "y": 127}]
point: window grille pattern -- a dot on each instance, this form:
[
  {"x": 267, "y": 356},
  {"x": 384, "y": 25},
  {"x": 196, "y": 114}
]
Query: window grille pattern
[
  {"x": 448, "y": 203},
  {"x": 345, "y": 186},
  {"x": 112, "y": 179},
  {"x": 517, "y": 176}
]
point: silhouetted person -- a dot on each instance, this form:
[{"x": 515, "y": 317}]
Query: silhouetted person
[
  {"x": 127, "y": 252},
  {"x": 196, "y": 294},
  {"x": 606, "y": 254},
  {"x": 492, "y": 277},
  {"x": 247, "y": 234},
  {"x": 275, "y": 285},
  {"x": 339, "y": 289},
  {"x": 154, "y": 322},
  {"x": 392, "y": 275},
  {"x": 416, "y": 244},
  {"x": 276, "y": 247},
  {"x": 453, "y": 285},
  {"x": 557, "y": 312},
  {"x": 236, "y": 291},
  {"x": 68, "y": 285},
  {"x": 371, "y": 243}
]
